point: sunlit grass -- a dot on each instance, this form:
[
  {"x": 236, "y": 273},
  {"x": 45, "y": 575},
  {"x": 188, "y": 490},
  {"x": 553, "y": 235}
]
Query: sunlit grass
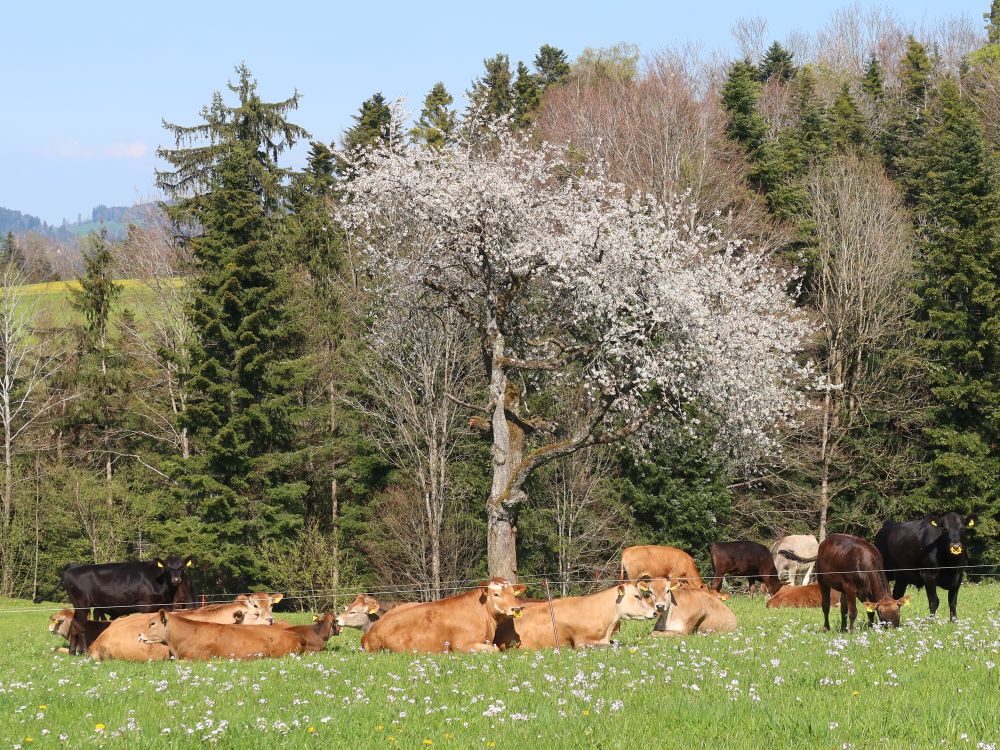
[{"x": 779, "y": 681}]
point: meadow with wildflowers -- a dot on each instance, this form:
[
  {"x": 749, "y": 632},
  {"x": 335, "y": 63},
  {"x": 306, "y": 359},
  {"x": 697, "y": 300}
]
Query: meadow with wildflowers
[{"x": 779, "y": 679}]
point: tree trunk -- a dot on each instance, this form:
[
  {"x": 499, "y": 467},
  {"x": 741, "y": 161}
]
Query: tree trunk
[
  {"x": 6, "y": 544},
  {"x": 508, "y": 452},
  {"x": 334, "y": 511}
]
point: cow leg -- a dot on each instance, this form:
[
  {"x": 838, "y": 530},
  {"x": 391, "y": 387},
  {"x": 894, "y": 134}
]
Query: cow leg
[
  {"x": 809, "y": 570},
  {"x": 953, "y": 602},
  {"x": 898, "y": 588},
  {"x": 78, "y": 631},
  {"x": 477, "y": 647},
  {"x": 930, "y": 584},
  {"x": 824, "y": 593},
  {"x": 717, "y": 581}
]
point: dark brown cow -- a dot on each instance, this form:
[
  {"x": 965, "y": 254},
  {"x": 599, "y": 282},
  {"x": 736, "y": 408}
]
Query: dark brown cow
[
  {"x": 801, "y": 596},
  {"x": 655, "y": 561},
  {"x": 744, "y": 558},
  {"x": 464, "y": 622},
  {"x": 61, "y": 621},
  {"x": 853, "y": 567}
]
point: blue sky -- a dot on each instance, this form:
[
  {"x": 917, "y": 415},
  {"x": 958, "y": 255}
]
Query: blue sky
[{"x": 87, "y": 84}]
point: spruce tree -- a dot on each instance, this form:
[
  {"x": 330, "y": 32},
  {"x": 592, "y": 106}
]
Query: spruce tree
[
  {"x": 527, "y": 96},
  {"x": 552, "y": 66},
  {"x": 11, "y": 254},
  {"x": 492, "y": 95},
  {"x": 847, "y": 125},
  {"x": 230, "y": 194},
  {"x": 906, "y": 121},
  {"x": 372, "y": 125},
  {"x": 777, "y": 64},
  {"x": 437, "y": 122},
  {"x": 740, "y": 94},
  {"x": 958, "y": 305},
  {"x": 992, "y": 19},
  {"x": 873, "y": 82}
]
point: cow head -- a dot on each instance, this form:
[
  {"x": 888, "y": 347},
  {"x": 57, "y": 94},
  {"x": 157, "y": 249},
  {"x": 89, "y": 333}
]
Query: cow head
[
  {"x": 358, "y": 613},
  {"x": 636, "y": 600},
  {"x": 887, "y": 609},
  {"x": 156, "y": 629},
  {"x": 500, "y": 597},
  {"x": 175, "y": 567},
  {"x": 258, "y": 607},
  {"x": 660, "y": 592},
  {"x": 59, "y": 622},
  {"x": 952, "y": 528}
]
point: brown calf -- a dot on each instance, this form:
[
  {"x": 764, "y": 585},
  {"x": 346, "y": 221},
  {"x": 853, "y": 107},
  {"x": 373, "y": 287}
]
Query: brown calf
[
  {"x": 121, "y": 641},
  {"x": 801, "y": 596},
  {"x": 205, "y": 640},
  {"x": 314, "y": 636},
  {"x": 61, "y": 621},
  {"x": 464, "y": 622},
  {"x": 655, "y": 561},
  {"x": 580, "y": 620},
  {"x": 365, "y": 611}
]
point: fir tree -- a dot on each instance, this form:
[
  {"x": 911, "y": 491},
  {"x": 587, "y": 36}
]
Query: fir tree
[
  {"x": 372, "y": 125},
  {"x": 246, "y": 363},
  {"x": 10, "y": 252},
  {"x": 915, "y": 73},
  {"x": 906, "y": 122},
  {"x": 437, "y": 122},
  {"x": 527, "y": 96},
  {"x": 552, "y": 66},
  {"x": 777, "y": 64},
  {"x": 958, "y": 299},
  {"x": 846, "y": 122},
  {"x": 492, "y": 95},
  {"x": 992, "y": 19},
  {"x": 740, "y": 94},
  {"x": 873, "y": 82}
]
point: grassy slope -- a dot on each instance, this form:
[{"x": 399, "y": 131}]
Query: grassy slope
[
  {"x": 778, "y": 682},
  {"x": 54, "y": 302}
]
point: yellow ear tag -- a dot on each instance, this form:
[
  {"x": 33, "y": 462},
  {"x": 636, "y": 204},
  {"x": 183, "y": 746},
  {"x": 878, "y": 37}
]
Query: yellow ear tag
[
  {"x": 972, "y": 522},
  {"x": 190, "y": 563},
  {"x": 643, "y": 587},
  {"x": 869, "y": 609},
  {"x": 275, "y": 598},
  {"x": 372, "y": 610},
  {"x": 933, "y": 523},
  {"x": 159, "y": 564}
]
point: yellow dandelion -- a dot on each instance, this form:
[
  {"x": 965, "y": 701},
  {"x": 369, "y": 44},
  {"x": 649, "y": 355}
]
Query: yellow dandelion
[
  {"x": 586, "y": 712},
  {"x": 428, "y": 742},
  {"x": 43, "y": 706},
  {"x": 311, "y": 730},
  {"x": 99, "y": 727},
  {"x": 491, "y": 743},
  {"x": 28, "y": 740},
  {"x": 855, "y": 694},
  {"x": 391, "y": 738},
  {"x": 449, "y": 736},
  {"x": 633, "y": 650},
  {"x": 379, "y": 727}
]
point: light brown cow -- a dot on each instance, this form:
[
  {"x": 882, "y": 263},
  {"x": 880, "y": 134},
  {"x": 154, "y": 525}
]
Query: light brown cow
[
  {"x": 365, "y": 611},
  {"x": 255, "y": 609},
  {"x": 314, "y": 636},
  {"x": 686, "y": 611},
  {"x": 580, "y": 620},
  {"x": 121, "y": 641},
  {"x": 801, "y": 596},
  {"x": 464, "y": 622},
  {"x": 206, "y": 640},
  {"x": 60, "y": 622},
  {"x": 655, "y": 561}
]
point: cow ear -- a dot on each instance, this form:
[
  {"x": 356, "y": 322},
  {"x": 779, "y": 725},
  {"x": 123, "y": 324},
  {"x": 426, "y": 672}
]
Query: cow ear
[
  {"x": 724, "y": 597},
  {"x": 870, "y": 606},
  {"x": 902, "y": 602},
  {"x": 275, "y": 598},
  {"x": 163, "y": 616},
  {"x": 372, "y": 609},
  {"x": 643, "y": 584},
  {"x": 519, "y": 589},
  {"x": 621, "y": 588},
  {"x": 970, "y": 521},
  {"x": 317, "y": 618},
  {"x": 238, "y": 616}
]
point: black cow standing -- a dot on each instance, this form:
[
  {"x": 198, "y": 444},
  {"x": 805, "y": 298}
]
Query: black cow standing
[
  {"x": 117, "y": 589},
  {"x": 929, "y": 552}
]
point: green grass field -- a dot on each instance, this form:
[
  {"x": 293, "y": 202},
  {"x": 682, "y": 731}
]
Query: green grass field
[{"x": 780, "y": 681}]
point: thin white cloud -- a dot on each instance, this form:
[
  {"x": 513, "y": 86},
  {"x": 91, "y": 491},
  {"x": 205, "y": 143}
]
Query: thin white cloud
[{"x": 71, "y": 148}]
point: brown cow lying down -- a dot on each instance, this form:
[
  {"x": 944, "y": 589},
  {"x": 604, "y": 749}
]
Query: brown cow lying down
[
  {"x": 60, "y": 622},
  {"x": 464, "y": 622},
  {"x": 654, "y": 561},
  {"x": 580, "y": 620},
  {"x": 121, "y": 641},
  {"x": 316, "y": 635},
  {"x": 365, "y": 611},
  {"x": 206, "y": 640},
  {"x": 246, "y": 609},
  {"x": 801, "y": 596},
  {"x": 689, "y": 611}
]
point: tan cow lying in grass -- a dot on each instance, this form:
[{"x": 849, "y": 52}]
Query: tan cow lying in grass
[
  {"x": 121, "y": 639},
  {"x": 580, "y": 620},
  {"x": 685, "y": 611},
  {"x": 365, "y": 611},
  {"x": 464, "y": 622},
  {"x": 314, "y": 636},
  {"x": 207, "y": 640},
  {"x": 801, "y": 596}
]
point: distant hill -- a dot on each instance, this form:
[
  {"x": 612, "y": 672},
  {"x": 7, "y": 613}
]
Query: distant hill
[{"x": 115, "y": 219}]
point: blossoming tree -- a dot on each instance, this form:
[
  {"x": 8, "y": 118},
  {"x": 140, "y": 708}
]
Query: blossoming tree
[{"x": 563, "y": 275}]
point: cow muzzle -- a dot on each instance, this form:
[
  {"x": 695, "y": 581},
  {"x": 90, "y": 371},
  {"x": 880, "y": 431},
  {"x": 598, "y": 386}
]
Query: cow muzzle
[
  {"x": 955, "y": 549},
  {"x": 661, "y": 607},
  {"x": 175, "y": 581}
]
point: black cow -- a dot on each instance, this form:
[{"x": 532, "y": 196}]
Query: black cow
[
  {"x": 929, "y": 552},
  {"x": 119, "y": 589}
]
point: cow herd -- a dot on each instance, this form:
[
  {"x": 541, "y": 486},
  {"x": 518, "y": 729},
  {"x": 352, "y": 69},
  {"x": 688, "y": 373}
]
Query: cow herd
[{"x": 153, "y": 613}]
